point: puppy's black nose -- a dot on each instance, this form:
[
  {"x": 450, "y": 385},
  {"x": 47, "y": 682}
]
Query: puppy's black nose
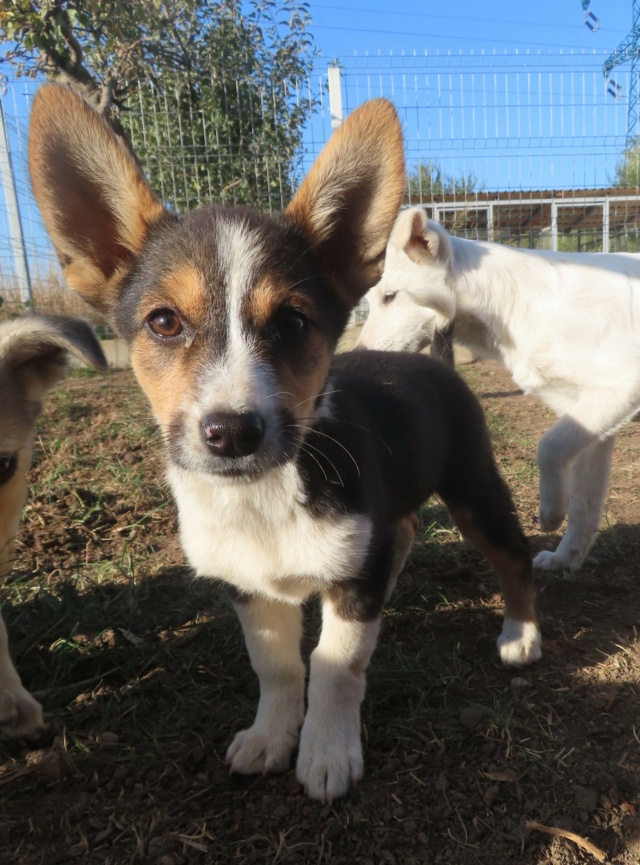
[{"x": 228, "y": 434}]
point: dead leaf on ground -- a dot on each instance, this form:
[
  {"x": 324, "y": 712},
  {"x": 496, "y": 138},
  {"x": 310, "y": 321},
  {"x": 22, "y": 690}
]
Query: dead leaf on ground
[{"x": 507, "y": 775}]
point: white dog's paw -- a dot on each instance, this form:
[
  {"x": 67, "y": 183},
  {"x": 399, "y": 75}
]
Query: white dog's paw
[
  {"x": 20, "y": 713},
  {"x": 260, "y": 750},
  {"x": 330, "y": 758},
  {"x": 546, "y": 560},
  {"x": 519, "y": 643}
]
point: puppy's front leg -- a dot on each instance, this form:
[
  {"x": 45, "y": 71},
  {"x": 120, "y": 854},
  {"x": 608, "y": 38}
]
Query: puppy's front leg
[
  {"x": 272, "y": 631},
  {"x": 330, "y": 756}
]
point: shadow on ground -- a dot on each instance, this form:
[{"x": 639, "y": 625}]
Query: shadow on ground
[{"x": 145, "y": 684}]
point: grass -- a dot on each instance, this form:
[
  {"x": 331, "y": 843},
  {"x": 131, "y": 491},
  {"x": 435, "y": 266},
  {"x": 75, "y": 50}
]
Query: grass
[
  {"x": 50, "y": 297},
  {"x": 145, "y": 679}
]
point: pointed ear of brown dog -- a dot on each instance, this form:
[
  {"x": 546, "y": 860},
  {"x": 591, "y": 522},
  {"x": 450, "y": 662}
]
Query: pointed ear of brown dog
[
  {"x": 349, "y": 201},
  {"x": 95, "y": 202},
  {"x": 36, "y": 349}
]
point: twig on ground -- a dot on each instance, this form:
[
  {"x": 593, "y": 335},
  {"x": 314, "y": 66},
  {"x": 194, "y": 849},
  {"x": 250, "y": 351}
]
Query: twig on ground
[{"x": 599, "y": 854}]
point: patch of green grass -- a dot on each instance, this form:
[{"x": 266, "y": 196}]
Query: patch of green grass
[
  {"x": 436, "y": 532},
  {"x": 80, "y": 372}
]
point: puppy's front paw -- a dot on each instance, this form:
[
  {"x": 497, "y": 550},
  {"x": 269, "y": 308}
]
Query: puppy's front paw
[
  {"x": 259, "y": 750},
  {"x": 519, "y": 643},
  {"x": 330, "y": 758},
  {"x": 20, "y": 713}
]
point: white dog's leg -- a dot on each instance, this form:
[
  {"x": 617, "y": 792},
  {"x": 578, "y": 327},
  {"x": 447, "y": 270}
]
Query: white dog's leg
[
  {"x": 557, "y": 449},
  {"x": 272, "y": 632},
  {"x": 20, "y": 713},
  {"x": 589, "y": 482},
  {"x": 595, "y": 417},
  {"x": 330, "y": 755}
]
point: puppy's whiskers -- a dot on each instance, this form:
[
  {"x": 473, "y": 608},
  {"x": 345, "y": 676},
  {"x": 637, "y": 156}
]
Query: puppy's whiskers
[
  {"x": 274, "y": 395},
  {"x": 340, "y": 445},
  {"x": 316, "y": 396},
  {"x": 316, "y": 461},
  {"x": 371, "y": 432},
  {"x": 300, "y": 281},
  {"x": 304, "y": 445},
  {"x": 352, "y": 423}
]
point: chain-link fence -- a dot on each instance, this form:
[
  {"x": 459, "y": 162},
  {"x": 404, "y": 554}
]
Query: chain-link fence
[{"x": 522, "y": 148}]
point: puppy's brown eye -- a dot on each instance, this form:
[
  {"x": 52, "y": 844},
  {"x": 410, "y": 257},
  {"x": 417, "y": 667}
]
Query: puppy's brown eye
[
  {"x": 289, "y": 324},
  {"x": 164, "y": 322},
  {"x": 388, "y": 296}
]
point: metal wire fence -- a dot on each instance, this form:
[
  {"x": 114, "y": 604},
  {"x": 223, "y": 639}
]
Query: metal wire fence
[{"x": 518, "y": 147}]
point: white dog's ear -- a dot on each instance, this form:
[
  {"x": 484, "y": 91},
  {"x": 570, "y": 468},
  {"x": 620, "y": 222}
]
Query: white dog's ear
[
  {"x": 36, "y": 350},
  {"x": 95, "y": 201},
  {"x": 420, "y": 238},
  {"x": 347, "y": 204}
]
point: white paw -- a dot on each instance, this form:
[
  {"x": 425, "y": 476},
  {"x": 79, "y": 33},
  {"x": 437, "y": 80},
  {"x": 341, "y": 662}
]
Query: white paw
[
  {"x": 546, "y": 560},
  {"x": 259, "y": 750},
  {"x": 20, "y": 713},
  {"x": 519, "y": 643},
  {"x": 330, "y": 757}
]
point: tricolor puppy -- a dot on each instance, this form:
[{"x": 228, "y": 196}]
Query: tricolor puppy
[
  {"x": 566, "y": 326},
  {"x": 34, "y": 352},
  {"x": 295, "y": 473}
]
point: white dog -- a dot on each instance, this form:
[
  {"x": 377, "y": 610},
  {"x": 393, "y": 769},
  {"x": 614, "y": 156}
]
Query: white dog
[{"x": 567, "y": 327}]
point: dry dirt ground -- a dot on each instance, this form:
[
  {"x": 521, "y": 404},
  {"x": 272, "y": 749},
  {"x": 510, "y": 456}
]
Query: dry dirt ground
[{"x": 144, "y": 678}]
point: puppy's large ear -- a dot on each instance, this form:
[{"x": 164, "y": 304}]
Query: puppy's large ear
[
  {"x": 349, "y": 200},
  {"x": 36, "y": 350},
  {"x": 423, "y": 240},
  {"x": 95, "y": 202}
]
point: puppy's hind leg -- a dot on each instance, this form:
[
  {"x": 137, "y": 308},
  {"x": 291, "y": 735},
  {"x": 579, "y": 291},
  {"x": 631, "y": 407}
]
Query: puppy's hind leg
[
  {"x": 485, "y": 514},
  {"x": 272, "y": 632},
  {"x": 589, "y": 482},
  {"x": 20, "y": 713},
  {"x": 406, "y": 529}
]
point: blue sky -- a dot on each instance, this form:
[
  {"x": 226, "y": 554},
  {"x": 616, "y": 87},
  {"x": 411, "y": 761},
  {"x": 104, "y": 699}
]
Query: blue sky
[
  {"x": 510, "y": 93},
  {"x": 340, "y": 29}
]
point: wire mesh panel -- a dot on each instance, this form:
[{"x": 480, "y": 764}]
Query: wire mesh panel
[
  {"x": 245, "y": 148},
  {"x": 518, "y": 147},
  {"x": 224, "y": 139},
  {"x": 483, "y": 128},
  {"x": 40, "y": 259}
]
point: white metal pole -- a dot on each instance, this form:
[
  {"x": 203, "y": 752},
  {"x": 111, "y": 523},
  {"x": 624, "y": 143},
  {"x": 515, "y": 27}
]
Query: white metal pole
[
  {"x": 13, "y": 214},
  {"x": 554, "y": 226},
  {"x": 605, "y": 225},
  {"x": 335, "y": 96}
]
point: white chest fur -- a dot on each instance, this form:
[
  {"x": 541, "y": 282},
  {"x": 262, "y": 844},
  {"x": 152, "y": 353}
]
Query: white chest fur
[{"x": 259, "y": 537}]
